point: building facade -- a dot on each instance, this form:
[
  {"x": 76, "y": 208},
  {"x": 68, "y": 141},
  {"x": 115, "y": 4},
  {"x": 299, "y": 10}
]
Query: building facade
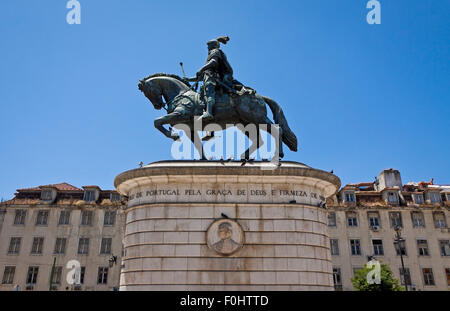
[
  {"x": 362, "y": 222},
  {"x": 74, "y": 235},
  {"x": 63, "y": 223}
]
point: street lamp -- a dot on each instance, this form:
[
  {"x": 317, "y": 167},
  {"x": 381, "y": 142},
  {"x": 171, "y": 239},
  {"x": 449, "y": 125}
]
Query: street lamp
[
  {"x": 400, "y": 243},
  {"x": 112, "y": 261}
]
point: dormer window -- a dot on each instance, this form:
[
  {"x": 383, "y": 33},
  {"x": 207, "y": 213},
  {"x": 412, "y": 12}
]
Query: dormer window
[
  {"x": 418, "y": 198},
  {"x": 435, "y": 197},
  {"x": 46, "y": 195},
  {"x": 349, "y": 197},
  {"x": 392, "y": 197},
  {"x": 89, "y": 195},
  {"x": 115, "y": 197}
]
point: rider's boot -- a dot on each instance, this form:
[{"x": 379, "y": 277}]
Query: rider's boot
[
  {"x": 210, "y": 96},
  {"x": 208, "y": 115}
]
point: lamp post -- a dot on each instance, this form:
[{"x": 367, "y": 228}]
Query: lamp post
[
  {"x": 400, "y": 242},
  {"x": 112, "y": 261}
]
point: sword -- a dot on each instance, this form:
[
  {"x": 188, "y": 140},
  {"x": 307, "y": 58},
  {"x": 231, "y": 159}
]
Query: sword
[{"x": 226, "y": 86}]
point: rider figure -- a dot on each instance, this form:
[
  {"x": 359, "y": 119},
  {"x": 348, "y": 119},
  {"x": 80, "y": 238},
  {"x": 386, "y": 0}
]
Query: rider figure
[{"x": 216, "y": 69}]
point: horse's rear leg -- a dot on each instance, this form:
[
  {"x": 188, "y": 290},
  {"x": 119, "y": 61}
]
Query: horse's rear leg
[{"x": 278, "y": 133}]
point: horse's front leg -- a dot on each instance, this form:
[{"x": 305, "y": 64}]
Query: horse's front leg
[{"x": 167, "y": 119}]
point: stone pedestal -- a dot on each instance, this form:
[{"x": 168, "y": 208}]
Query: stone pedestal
[{"x": 205, "y": 225}]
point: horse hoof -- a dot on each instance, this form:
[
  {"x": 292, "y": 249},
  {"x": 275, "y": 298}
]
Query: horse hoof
[{"x": 208, "y": 137}]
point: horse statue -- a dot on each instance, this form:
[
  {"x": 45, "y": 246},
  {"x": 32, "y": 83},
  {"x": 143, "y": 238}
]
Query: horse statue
[{"x": 184, "y": 104}]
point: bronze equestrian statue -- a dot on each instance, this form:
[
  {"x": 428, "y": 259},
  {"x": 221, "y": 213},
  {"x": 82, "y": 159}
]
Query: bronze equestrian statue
[{"x": 222, "y": 100}]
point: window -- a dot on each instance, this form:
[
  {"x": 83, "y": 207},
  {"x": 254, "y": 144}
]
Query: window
[
  {"x": 82, "y": 272},
  {"x": 14, "y": 245},
  {"x": 64, "y": 218},
  {"x": 102, "y": 275},
  {"x": 83, "y": 246},
  {"x": 89, "y": 195},
  {"x": 422, "y": 246},
  {"x": 334, "y": 245},
  {"x": 349, "y": 197},
  {"x": 42, "y": 218},
  {"x": 448, "y": 197},
  {"x": 355, "y": 247},
  {"x": 86, "y": 218},
  {"x": 8, "y": 275},
  {"x": 399, "y": 249},
  {"x": 405, "y": 276},
  {"x": 46, "y": 195},
  {"x": 392, "y": 197},
  {"x": 352, "y": 220},
  {"x": 445, "y": 247},
  {"x": 60, "y": 246},
  {"x": 447, "y": 273},
  {"x": 57, "y": 275},
  {"x": 435, "y": 197},
  {"x": 337, "y": 279},
  {"x": 19, "y": 219},
  {"x": 106, "y": 246},
  {"x": 439, "y": 220},
  {"x": 418, "y": 220},
  {"x": 428, "y": 277},
  {"x": 110, "y": 218},
  {"x": 374, "y": 219},
  {"x": 32, "y": 275},
  {"x": 396, "y": 219},
  {"x": 36, "y": 248},
  {"x": 78, "y": 276},
  {"x": 115, "y": 197},
  {"x": 418, "y": 198},
  {"x": 331, "y": 219},
  {"x": 378, "y": 247}
]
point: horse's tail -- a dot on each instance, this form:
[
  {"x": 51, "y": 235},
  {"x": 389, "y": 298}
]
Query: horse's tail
[{"x": 289, "y": 137}]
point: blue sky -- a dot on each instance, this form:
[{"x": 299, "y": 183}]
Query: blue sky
[{"x": 360, "y": 97}]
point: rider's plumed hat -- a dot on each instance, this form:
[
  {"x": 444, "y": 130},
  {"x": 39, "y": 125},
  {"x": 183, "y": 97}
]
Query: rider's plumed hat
[{"x": 216, "y": 42}]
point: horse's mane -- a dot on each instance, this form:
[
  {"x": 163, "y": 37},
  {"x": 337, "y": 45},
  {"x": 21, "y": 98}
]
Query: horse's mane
[{"x": 163, "y": 74}]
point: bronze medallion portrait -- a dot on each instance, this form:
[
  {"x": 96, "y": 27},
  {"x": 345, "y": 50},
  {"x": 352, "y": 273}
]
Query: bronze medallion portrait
[{"x": 225, "y": 236}]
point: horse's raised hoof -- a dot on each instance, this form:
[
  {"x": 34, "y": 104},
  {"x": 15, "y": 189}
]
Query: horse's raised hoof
[
  {"x": 209, "y": 135},
  {"x": 175, "y": 137}
]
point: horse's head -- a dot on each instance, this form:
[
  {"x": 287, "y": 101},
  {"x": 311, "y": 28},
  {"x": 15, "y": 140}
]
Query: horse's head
[{"x": 152, "y": 91}]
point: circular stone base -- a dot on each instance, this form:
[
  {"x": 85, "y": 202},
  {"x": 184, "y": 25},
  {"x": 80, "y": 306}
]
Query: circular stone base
[{"x": 204, "y": 225}]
